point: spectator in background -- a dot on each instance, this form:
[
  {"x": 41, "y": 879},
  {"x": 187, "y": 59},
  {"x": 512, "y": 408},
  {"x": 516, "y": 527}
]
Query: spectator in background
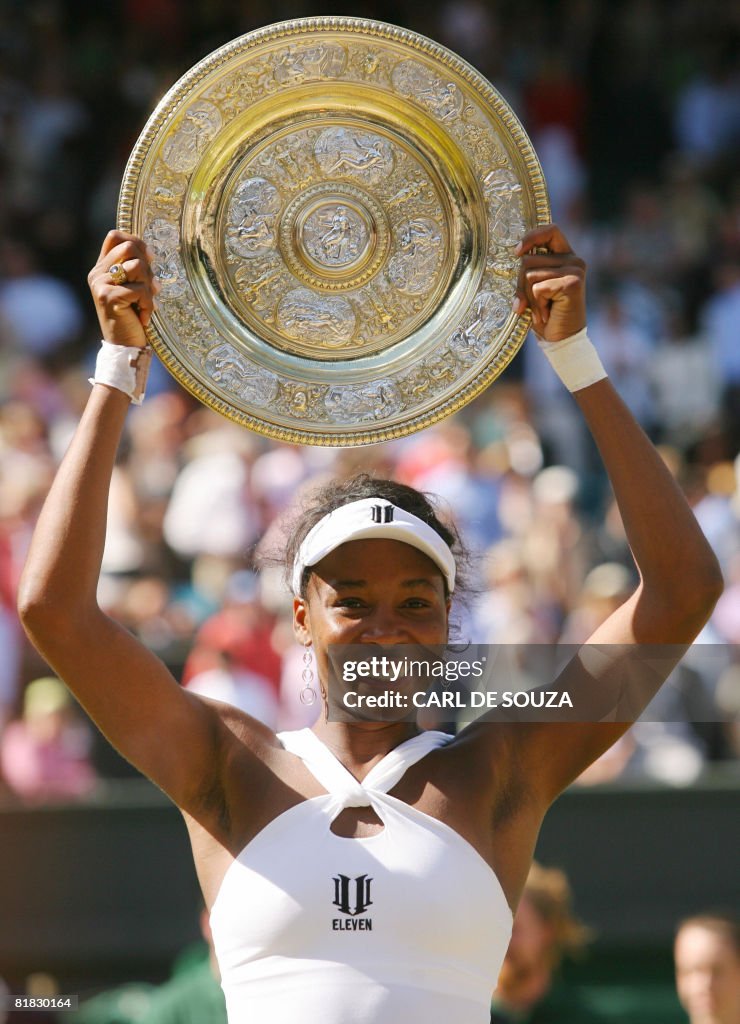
[
  {"x": 554, "y": 415},
  {"x": 210, "y": 511},
  {"x": 644, "y": 246},
  {"x": 716, "y": 507},
  {"x": 563, "y": 169},
  {"x": 44, "y": 755},
  {"x": 707, "y": 958},
  {"x": 685, "y": 383},
  {"x": 707, "y": 112},
  {"x": 42, "y": 312},
  {"x": 508, "y": 610},
  {"x": 728, "y": 703},
  {"x": 693, "y": 215},
  {"x": 604, "y": 589},
  {"x": 232, "y": 684},
  {"x": 555, "y": 102},
  {"x": 545, "y": 931},
  {"x": 626, "y": 352},
  {"x": 192, "y": 995},
  {"x": 445, "y": 465},
  {"x": 10, "y": 637},
  {"x": 51, "y": 116},
  {"x": 727, "y": 617},
  {"x": 241, "y": 631},
  {"x": 721, "y": 315},
  {"x": 470, "y": 27}
]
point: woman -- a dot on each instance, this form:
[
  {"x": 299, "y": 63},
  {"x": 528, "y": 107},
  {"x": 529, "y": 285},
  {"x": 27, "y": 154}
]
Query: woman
[
  {"x": 545, "y": 932},
  {"x": 359, "y": 872}
]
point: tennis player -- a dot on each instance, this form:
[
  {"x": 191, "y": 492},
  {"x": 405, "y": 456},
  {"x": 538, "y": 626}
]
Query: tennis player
[{"x": 355, "y": 872}]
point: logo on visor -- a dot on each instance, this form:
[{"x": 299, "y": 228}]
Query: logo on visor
[{"x": 382, "y": 513}]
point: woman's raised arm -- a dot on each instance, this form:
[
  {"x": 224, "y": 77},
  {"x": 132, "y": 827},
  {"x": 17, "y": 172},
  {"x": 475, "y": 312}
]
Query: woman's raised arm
[
  {"x": 680, "y": 579},
  {"x": 173, "y": 737}
]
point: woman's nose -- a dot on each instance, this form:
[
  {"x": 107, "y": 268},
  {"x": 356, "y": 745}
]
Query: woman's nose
[{"x": 384, "y": 626}]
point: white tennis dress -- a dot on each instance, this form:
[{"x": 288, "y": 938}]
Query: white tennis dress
[{"x": 409, "y": 924}]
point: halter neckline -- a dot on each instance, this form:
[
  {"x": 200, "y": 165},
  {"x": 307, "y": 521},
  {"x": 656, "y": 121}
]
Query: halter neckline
[{"x": 326, "y": 767}]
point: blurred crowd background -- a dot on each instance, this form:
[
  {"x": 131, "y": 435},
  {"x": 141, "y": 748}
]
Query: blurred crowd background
[{"x": 634, "y": 109}]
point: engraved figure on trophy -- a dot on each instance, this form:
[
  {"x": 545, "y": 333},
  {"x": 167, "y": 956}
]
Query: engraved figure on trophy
[
  {"x": 501, "y": 262},
  {"x": 487, "y": 146},
  {"x": 325, "y": 321},
  {"x": 252, "y": 287},
  {"x": 252, "y": 213},
  {"x": 355, "y": 154},
  {"x": 503, "y": 193},
  {"x": 487, "y": 313},
  {"x": 421, "y": 190},
  {"x": 429, "y": 378},
  {"x": 301, "y": 400},
  {"x": 252, "y": 80},
  {"x": 285, "y": 160},
  {"x": 164, "y": 238},
  {"x": 165, "y": 197},
  {"x": 416, "y": 385},
  {"x": 507, "y": 222},
  {"x": 256, "y": 78},
  {"x": 334, "y": 235},
  {"x": 260, "y": 286},
  {"x": 378, "y": 313},
  {"x": 167, "y": 190},
  {"x": 414, "y": 265},
  {"x": 499, "y": 183},
  {"x": 368, "y": 63},
  {"x": 364, "y": 403},
  {"x": 289, "y": 67},
  {"x": 295, "y": 66},
  {"x": 226, "y": 368},
  {"x": 336, "y": 242},
  {"x": 444, "y": 99},
  {"x": 182, "y": 151},
  {"x": 441, "y": 371}
]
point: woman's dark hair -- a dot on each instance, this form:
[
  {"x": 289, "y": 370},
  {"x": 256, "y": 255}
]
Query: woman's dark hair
[{"x": 341, "y": 492}]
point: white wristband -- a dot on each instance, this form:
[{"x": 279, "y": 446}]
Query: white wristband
[
  {"x": 575, "y": 360},
  {"x": 124, "y": 367}
]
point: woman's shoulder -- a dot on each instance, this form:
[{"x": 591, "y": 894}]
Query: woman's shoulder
[
  {"x": 243, "y": 732},
  {"x": 482, "y": 741}
]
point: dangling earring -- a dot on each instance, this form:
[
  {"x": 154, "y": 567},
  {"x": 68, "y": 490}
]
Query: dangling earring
[{"x": 308, "y": 694}]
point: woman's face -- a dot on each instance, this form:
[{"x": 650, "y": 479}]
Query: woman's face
[
  {"x": 375, "y": 592},
  {"x": 526, "y": 973},
  {"x": 707, "y": 975}
]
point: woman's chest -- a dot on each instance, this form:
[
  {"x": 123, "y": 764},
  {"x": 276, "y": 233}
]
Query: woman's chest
[{"x": 311, "y": 888}]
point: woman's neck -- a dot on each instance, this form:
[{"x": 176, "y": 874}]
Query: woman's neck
[{"x": 360, "y": 745}]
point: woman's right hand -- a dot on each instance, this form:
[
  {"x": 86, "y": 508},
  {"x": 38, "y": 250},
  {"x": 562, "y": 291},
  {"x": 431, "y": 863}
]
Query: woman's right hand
[{"x": 124, "y": 310}]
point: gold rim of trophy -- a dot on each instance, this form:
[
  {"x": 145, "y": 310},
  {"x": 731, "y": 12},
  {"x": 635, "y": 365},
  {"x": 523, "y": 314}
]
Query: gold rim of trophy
[{"x": 334, "y": 205}]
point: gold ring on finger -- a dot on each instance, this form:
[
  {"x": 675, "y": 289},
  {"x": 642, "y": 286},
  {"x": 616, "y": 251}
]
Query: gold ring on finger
[{"x": 118, "y": 274}]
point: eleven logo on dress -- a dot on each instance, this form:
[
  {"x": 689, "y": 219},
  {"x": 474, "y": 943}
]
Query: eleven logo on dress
[{"x": 352, "y": 897}]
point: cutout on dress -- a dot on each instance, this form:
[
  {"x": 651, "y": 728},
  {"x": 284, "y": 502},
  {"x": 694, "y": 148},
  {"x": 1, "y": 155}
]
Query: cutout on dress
[{"x": 357, "y": 823}]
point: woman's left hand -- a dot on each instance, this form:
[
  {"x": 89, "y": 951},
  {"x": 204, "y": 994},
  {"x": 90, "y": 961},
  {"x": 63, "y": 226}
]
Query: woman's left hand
[{"x": 552, "y": 284}]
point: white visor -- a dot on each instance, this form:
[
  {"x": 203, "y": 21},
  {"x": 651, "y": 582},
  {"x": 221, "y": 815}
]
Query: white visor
[{"x": 367, "y": 519}]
